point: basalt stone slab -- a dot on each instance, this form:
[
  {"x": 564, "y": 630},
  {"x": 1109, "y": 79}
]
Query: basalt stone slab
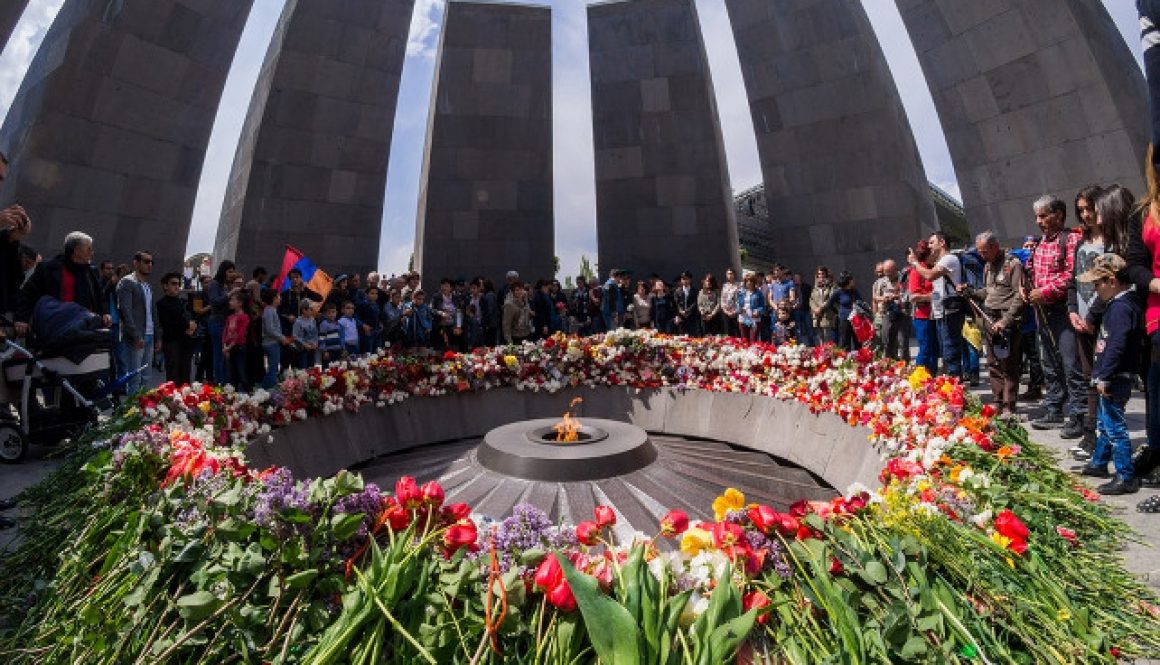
[
  {"x": 311, "y": 168},
  {"x": 108, "y": 131},
  {"x": 816, "y": 78},
  {"x": 486, "y": 202},
  {"x": 10, "y": 13},
  {"x": 1034, "y": 96},
  {"x": 663, "y": 199}
]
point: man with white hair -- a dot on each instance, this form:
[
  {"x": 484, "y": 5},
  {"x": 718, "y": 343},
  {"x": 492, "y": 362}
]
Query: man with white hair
[
  {"x": 70, "y": 277},
  {"x": 1052, "y": 264}
]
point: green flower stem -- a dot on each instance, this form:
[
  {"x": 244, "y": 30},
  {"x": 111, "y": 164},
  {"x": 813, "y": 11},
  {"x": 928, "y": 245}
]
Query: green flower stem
[{"x": 399, "y": 627}]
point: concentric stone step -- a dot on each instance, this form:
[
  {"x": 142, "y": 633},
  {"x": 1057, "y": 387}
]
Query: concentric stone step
[{"x": 688, "y": 474}]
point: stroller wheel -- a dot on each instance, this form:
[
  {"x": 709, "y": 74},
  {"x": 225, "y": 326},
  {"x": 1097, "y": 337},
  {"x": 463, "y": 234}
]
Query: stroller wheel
[{"x": 13, "y": 443}]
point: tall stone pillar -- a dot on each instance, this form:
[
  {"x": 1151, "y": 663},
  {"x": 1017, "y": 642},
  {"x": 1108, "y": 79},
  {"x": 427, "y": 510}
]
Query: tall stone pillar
[
  {"x": 311, "y": 168},
  {"x": 108, "y": 132},
  {"x": 1035, "y": 97},
  {"x": 663, "y": 200},
  {"x": 10, "y": 13},
  {"x": 486, "y": 200},
  {"x": 844, "y": 184}
]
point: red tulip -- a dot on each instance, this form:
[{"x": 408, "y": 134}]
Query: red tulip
[
  {"x": 548, "y": 574},
  {"x": 756, "y": 600},
  {"x": 456, "y": 511},
  {"x": 1007, "y": 524},
  {"x": 398, "y": 517},
  {"x": 1067, "y": 534},
  {"x": 764, "y": 518},
  {"x": 561, "y": 597},
  {"x": 674, "y": 523},
  {"x": 460, "y": 534},
  {"x": 588, "y": 532},
  {"x": 432, "y": 494},
  {"x": 407, "y": 491},
  {"x": 605, "y": 516},
  {"x": 836, "y": 567},
  {"x": 800, "y": 508}
]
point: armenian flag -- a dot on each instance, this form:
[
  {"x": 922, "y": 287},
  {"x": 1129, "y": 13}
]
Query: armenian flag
[{"x": 316, "y": 278}]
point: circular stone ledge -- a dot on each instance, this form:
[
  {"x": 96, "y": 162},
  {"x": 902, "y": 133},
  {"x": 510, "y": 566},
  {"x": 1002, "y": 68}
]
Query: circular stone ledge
[
  {"x": 510, "y": 450},
  {"x": 823, "y": 443}
]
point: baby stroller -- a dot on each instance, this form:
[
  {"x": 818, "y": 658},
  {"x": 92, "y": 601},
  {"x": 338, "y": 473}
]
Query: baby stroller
[{"x": 57, "y": 391}]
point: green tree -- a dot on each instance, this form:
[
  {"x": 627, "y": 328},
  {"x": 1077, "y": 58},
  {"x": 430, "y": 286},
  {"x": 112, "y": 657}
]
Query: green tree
[
  {"x": 555, "y": 265},
  {"x": 587, "y": 269}
]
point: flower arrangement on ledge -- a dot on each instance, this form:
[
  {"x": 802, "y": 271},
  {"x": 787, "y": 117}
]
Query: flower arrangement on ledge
[{"x": 158, "y": 543}]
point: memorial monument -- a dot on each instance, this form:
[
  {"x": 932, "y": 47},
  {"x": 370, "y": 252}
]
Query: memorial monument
[
  {"x": 663, "y": 199},
  {"x": 844, "y": 184},
  {"x": 10, "y": 13},
  {"x": 108, "y": 131},
  {"x": 1035, "y": 97},
  {"x": 486, "y": 199},
  {"x": 311, "y": 168}
]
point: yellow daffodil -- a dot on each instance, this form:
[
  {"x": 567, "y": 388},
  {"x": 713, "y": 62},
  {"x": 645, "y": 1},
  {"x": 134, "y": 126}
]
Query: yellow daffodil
[
  {"x": 1000, "y": 540},
  {"x": 1063, "y": 615},
  {"x": 511, "y": 361},
  {"x": 695, "y": 540},
  {"x": 731, "y": 500}
]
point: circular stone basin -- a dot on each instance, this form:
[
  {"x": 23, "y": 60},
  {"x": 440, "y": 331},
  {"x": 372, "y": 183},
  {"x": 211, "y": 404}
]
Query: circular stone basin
[
  {"x": 585, "y": 435},
  {"x": 528, "y": 449}
]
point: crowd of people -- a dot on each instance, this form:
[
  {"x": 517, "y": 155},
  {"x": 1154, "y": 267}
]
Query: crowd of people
[{"x": 1067, "y": 309}]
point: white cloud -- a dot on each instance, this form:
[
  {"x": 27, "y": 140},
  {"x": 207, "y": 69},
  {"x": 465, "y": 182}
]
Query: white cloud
[
  {"x": 425, "y": 24},
  {"x": 26, "y": 38}
]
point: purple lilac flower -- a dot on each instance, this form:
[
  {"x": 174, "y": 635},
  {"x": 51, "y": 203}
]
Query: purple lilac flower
[
  {"x": 280, "y": 493},
  {"x": 775, "y": 556},
  {"x": 369, "y": 502},
  {"x": 523, "y": 530}
]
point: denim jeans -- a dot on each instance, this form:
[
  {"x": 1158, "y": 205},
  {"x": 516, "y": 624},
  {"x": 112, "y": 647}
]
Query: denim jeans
[
  {"x": 142, "y": 359},
  {"x": 926, "y": 333},
  {"x": 273, "y": 353},
  {"x": 1113, "y": 442},
  {"x": 805, "y": 327},
  {"x": 950, "y": 341},
  {"x": 221, "y": 374}
]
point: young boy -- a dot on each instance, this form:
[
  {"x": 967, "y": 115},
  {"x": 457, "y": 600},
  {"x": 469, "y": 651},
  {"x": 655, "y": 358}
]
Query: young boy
[
  {"x": 306, "y": 334},
  {"x": 349, "y": 326},
  {"x": 417, "y": 321},
  {"x": 370, "y": 321},
  {"x": 1113, "y": 370},
  {"x": 330, "y": 334}
]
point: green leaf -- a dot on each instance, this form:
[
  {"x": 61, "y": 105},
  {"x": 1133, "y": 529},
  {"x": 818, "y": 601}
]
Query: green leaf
[
  {"x": 914, "y": 647},
  {"x": 725, "y": 639},
  {"x": 347, "y": 483},
  {"x": 876, "y": 572},
  {"x": 343, "y": 526},
  {"x": 198, "y": 605},
  {"x": 611, "y": 629},
  {"x": 301, "y": 579}
]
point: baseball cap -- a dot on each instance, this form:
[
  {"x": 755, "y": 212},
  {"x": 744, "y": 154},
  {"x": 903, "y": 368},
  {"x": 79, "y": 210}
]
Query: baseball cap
[{"x": 1104, "y": 266}]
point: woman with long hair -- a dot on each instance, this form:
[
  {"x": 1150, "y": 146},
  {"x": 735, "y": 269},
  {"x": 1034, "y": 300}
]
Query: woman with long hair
[
  {"x": 750, "y": 308},
  {"x": 218, "y": 296},
  {"x": 709, "y": 306},
  {"x": 1081, "y": 297}
]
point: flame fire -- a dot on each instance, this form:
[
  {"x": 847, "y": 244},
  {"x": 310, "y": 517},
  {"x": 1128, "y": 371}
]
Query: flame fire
[{"x": 568, "y": 429}]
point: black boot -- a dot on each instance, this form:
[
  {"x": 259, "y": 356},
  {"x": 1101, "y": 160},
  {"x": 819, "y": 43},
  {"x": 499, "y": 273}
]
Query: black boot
[{"x": 1073, "y": 429}]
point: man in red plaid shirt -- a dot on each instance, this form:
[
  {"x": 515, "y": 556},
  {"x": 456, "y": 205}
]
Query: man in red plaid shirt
[{"x": 1052, "y": 264}]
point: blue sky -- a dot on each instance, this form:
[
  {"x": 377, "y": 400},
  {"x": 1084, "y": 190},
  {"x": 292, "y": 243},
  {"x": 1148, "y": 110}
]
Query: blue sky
[{"x": 575, "y": 189}]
